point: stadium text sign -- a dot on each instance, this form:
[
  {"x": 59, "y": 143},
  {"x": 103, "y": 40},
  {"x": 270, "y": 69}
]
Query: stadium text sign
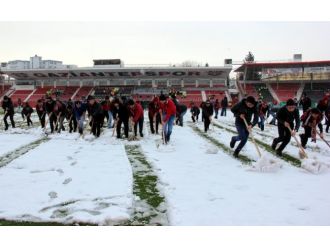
[{"x": 97, "y": 74}]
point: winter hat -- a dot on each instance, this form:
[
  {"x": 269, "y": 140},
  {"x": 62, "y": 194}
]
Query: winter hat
[
  {"x": 251, "y": 100},
  {"x": 162, "y": 97},
  {"x": 290, "y": 102},
  {"x": 116, "y": 101},
  {"x": 90, "y": 97},
  {"x": 131, "y": 102},
  {"x": 315, "y": 111},
  {"x": 5, "y": 97}
]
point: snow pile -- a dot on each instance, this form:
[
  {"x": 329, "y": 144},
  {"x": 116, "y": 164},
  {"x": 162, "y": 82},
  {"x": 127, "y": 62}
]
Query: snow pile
[
  {"x": 89, "y": 137},
  {"x": 267, "y": 163},
  {"x": 212, "y": 150},
  {"x": 165, "y": 148},
  {"x": 314, "y": 165}
]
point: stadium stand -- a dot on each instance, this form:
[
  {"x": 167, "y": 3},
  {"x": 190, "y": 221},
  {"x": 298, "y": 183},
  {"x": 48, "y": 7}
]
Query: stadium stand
[
  {"x": 316, "y": 90},
  {"x": 285, "y": 91}
]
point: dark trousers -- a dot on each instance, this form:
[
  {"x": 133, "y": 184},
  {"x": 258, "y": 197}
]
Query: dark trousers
[
  {"x": 304, "y": 137},
  {"x": 140, "y": 123},
  {"x": 261, "y": 122},
  {"x": 60, "y": 125},
  {"x": 96, "y": 125},
  {"x": 327, "y": 123},
  {"x": 284, "y": 136},
  {"x": 179, "y": 120},
  {"x": 28, "y": 119},
  {"x": 194, "y": 117},
  {"x": 11, "y": 116},
  {"x": 224, "y": 111},
  {"x": 52, "y": 122},
  {"x": 125, "y": 122},
  {"x": 243, "y": 135},
  {"x": 151, "y": 120},
  {"x": 206, "y": 123},
  {"x": 73, "y": 121},
  {"x": 216, "y": 113},
  {"x": 42, "y": 118}
]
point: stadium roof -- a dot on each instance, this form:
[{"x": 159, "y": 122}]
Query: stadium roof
[{"x": 283, "y": 65}]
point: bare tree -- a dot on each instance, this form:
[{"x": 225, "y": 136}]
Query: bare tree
[{"x": 189, "y": 63}]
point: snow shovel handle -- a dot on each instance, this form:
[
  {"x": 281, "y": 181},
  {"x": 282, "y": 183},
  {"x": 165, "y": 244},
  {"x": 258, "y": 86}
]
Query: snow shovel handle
[
  {"x": 114, "y": 127},
  {"x": 253, "y": 140},
  {"x": 299, "y": 144},
  {"x": 57, "y": 120},
  {"x": 163, "y": 130},
  {"x": 323, "y": 138}
]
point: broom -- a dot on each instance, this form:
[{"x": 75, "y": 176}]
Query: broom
[
  {"x": 302, "y": 152},
  {"x": 252, "y": 137},
  {"x": 323, "y": 138}
]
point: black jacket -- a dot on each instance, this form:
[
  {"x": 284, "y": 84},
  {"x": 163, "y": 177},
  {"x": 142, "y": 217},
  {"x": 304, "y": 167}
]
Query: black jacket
[
  {"x": 207, "y": 111},
  {"x": 122, "y": 112},
  {"x": 283, "y": 115},
  {"x": 40, "y": 110},
  {"x": 50, "y": 106},
  {"x": 224, "y": 103},
  {"x": 8, "y": 106},
  {"x": 95, "y": 110},
  {"x": 306, "y": 103},
  {"x": 27, "y": 110},
  {"x": 242, "y": 108},
  {"x": 180, "y": 109},
  {"x": 195, "y": 110}
]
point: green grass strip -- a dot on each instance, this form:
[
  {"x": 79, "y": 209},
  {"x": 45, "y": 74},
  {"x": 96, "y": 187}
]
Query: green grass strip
[
  {"x": 145, "y": 189},
  {"x": 286, "y": 157},
  {"x": 7, "y": 158},
  {"x": 226, "y": 149}
]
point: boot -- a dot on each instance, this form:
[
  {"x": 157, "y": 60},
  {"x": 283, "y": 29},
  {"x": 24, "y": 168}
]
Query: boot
[
  {"x": 232, "y": 142},
  {"x": 274, "y": 144},
  {"x": 236, "y": 152}
]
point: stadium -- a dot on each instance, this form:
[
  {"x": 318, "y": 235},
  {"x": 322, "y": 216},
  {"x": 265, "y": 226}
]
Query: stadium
[
  {"x": 80, "y": 166},
  {"x": 267, "y": 80},
  {"x": 141, "y": 83}
]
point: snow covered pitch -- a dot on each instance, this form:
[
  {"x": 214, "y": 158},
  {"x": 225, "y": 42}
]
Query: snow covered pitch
[{"x": 194, "y": 180}]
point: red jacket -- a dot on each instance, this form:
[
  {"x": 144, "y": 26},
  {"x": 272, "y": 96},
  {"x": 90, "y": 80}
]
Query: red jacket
[
  {"x": 169, "y": 109},
  {"x": 137, "y": 112}
]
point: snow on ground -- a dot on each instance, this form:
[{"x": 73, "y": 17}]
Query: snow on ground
[
  {"x": 68, "y": 179},
  {"x": 16, "y": 138},
  {"x": 213, "y": 189},
  {"x": 317, "y": 151}
]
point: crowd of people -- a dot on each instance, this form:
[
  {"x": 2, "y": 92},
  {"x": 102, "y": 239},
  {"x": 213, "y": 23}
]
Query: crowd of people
[{"x": 122, "y": 113}]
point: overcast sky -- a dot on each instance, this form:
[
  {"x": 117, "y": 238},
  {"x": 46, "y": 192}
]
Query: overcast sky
[{"x": 163, "y": 42}]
